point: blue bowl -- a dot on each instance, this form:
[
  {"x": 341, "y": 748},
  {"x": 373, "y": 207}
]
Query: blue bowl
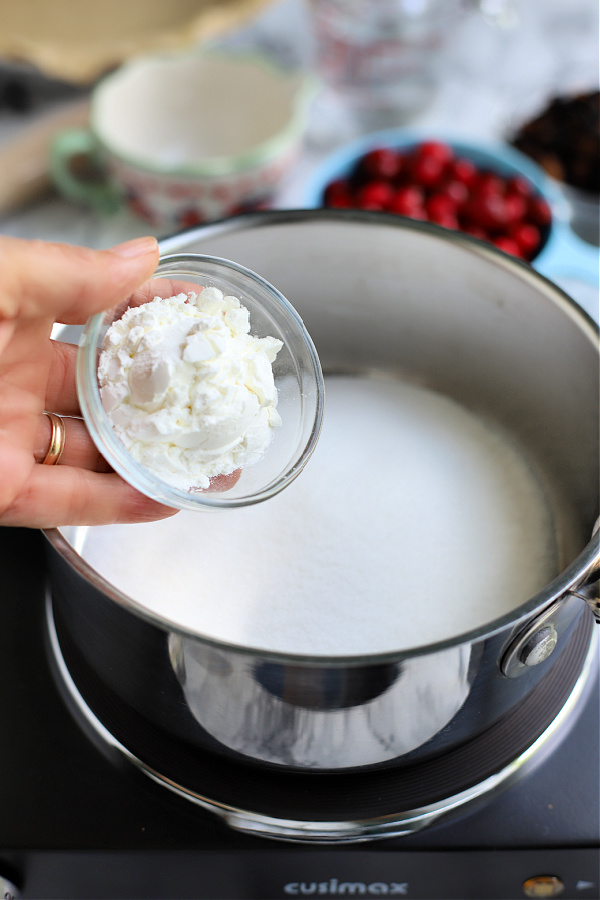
[{"x": 563, "y": 255}]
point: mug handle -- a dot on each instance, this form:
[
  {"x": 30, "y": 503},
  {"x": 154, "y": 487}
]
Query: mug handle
[
  {"x": 569, "y": 256},
  {"x": 79, "y": 142}
]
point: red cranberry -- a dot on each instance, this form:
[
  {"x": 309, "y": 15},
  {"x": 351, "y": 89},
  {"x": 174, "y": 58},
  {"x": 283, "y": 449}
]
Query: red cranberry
[
  {"x": 440, "y": 205},
  {"x": 375, "y": 195},
  {"x": 488, "y": 183},
  {"x": 527, "y": 236},
  {"x": 418, "y": 213},
  {"x": 382, "y": 163},
  {"x": 338, "y": 194},
  {"x": 435, "y": 150},
  {"x": 517, "y": 184},
  {"x": 448, "y": 220},
  {"x": 507, "y": 245},
  {"x": 342, "y": 202},
  {"x": 407, "y": 201},
  {"x": 427, "y": 171},
  {"x": 457, "y": 191},
  {"x": 539, "y": 212},
  {"x": 476, "y": 232},
  {"x": 486, "y": 211},
  {"x": 462, "y": 170},
  {"x": 515, "y": 208}
]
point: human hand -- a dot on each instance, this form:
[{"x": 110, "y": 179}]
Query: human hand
[{"x": 40, "y": 284}]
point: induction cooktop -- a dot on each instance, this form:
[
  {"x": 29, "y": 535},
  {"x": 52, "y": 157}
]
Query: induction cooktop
[{"x": 80, "y": 821}]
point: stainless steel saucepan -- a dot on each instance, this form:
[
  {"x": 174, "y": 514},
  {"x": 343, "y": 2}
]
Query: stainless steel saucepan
[{"x": 447, "y": 311}]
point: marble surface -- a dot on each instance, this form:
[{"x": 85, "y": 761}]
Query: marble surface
[{"x": 492, "y": 78}]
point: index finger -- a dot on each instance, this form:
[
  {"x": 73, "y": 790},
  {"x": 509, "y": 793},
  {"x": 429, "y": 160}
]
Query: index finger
[{"x": 66, "y": 283}]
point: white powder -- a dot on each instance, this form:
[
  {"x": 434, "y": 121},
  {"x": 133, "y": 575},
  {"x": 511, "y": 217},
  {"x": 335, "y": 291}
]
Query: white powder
[
  {"x": 413, "y": 522},
  {"x": 187, "y": 389}
]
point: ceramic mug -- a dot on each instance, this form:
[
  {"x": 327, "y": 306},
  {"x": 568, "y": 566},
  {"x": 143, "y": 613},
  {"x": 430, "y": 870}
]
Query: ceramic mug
[{"x": 183, "y": 139}]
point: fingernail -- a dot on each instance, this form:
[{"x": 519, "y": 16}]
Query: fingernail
[{"x": 137, "y": 247}]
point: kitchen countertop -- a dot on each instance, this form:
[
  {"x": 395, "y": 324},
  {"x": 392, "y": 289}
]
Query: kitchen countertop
[{"x": 493, "y": 78}]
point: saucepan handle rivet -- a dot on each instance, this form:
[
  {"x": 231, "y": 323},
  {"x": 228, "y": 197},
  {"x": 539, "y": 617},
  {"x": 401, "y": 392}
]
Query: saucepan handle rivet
[{"x": 539, "y": 646}]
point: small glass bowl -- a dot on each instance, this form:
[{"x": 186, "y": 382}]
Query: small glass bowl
[{"x": 297, "y": 373}]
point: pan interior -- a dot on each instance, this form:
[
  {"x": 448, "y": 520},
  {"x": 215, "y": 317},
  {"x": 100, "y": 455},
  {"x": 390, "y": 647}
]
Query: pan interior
[{"x": 414, "y": 522}]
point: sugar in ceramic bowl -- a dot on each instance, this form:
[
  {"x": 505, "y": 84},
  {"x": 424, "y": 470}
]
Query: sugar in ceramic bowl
[
  {"x": 297, "y": 377},
  {"x": 560, "y": 255},
  {"x": 186, "y": 138}
]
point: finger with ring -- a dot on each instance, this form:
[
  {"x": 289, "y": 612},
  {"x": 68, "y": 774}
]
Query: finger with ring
[
  {"x": 57, "y": 440},
  {"x": 78, "y": 448}
]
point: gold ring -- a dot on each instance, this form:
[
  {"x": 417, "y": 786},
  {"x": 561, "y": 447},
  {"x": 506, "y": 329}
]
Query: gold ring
[{"x": 57, "y": 440}]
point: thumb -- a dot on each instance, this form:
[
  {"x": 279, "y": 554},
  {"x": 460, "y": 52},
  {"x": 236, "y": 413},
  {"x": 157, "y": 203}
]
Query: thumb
[{"x": 68, "y": 283}]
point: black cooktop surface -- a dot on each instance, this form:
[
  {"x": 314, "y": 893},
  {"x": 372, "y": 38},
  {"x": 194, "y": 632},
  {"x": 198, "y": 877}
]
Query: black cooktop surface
[{"x": 77, "y": 822}]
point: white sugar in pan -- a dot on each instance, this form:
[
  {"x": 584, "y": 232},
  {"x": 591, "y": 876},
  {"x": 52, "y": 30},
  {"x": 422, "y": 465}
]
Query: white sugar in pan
[{"x": 415, "y": 521}]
